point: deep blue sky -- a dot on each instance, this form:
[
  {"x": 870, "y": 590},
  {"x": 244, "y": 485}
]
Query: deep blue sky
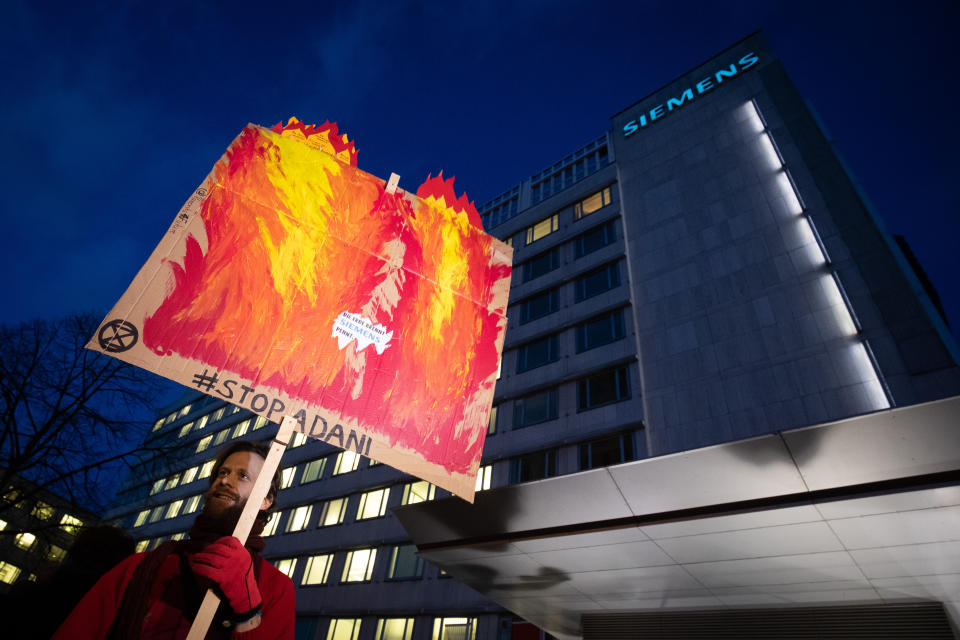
[{"x": 112, "y": 116}]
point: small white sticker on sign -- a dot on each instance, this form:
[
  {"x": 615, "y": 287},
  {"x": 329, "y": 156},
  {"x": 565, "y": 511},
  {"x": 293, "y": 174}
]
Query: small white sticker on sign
[{"x": 353, "y": 326}]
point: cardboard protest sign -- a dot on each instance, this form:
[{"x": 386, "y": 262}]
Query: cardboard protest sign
[{"x": 293, "y": 283}]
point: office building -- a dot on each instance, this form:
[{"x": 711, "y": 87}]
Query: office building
[{"x": 702, "y": 273}]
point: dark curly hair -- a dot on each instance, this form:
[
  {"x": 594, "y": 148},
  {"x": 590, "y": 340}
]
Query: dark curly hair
[{"x": 261, "y": 449}]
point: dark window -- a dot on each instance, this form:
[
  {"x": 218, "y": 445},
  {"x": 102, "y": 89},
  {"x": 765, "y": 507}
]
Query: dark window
[
  {"x": 600, "y": 331},
  {"x": 602, "y": 388},
  {"x": 541, "y": 264},
  {"x": 606, "y": 451},
  {"x": 535, "y": 408},
  {"x": 596, "y": 282},
  {"x": 539, "y": 306},
  {"x": 595, "y": 239},
  {"x": 533, "y": 466},
  {"x": 536, "y": 354},
  {"x": 405, "y": 562}
]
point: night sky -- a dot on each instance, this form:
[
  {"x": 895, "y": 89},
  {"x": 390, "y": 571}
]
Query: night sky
[{"x": 111, "y": 117}]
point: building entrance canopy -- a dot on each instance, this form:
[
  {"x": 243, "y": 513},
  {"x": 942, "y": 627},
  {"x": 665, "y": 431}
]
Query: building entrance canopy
[{"x": 863, "y": 510}]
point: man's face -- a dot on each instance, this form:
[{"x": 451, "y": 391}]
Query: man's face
[{"x": 233, "y": 482}]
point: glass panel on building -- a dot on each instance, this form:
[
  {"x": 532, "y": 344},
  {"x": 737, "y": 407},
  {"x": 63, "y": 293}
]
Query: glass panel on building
[
  {"x": 534, "y": 466},
  {"x": 373, "y": 504},
  {"x": 8, "y": 572},
  {"x": 420, "y": 491},
  {"x": 612, "y": 385},
  {"x": 394, "y": 629},
  {"x": 484, "y": 475},
  {"x": 535, "y": 408},
  {"x": 595, "y": 239},
  {"x": 286, "y": 477},
  {"x": 599, "y": 331},
  {"x": 405, "y": 563},
  {"x": 454, "y": 629},
  {"x": 343, "y": 629},
  {"x": 317, "y": 570},
  {"x": 286, "y": 566},
  {"x": 347, "y": 461},
  {"x": 42, "y": 511},
  {"x": 313, "y": 470},
  {"x": 333, "y": 512},
  {"x": 359, "y": 565},
  {"x": 298, "y": 518},
  {"x": 596, "y": 282},
  {"x": 606, "y": 451},
  {"x": 25, "y": 540}
]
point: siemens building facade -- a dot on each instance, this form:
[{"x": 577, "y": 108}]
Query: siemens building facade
[{"x": 703, "y": 273}]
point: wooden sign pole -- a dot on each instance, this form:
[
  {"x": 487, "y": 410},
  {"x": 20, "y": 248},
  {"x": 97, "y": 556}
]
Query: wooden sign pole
[{"x": 260, "y": 489}]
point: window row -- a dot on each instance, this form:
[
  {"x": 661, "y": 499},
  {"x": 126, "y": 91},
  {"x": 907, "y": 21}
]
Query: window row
[
  {"x": 593, "y": 333},
  {"x": 602, "y": 452},
  {"x": 565, "y": 174},
  {"x": 443, "y": 628},
  {"x": 402, "y": 562},
  {"x": 581, "y": 209}
]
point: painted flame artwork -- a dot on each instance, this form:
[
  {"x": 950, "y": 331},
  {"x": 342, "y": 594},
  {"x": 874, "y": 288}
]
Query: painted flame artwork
[{"x": 293, "y": 283}]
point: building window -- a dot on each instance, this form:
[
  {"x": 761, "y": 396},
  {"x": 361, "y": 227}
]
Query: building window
[
  {"x": 221, "y": 436},
  {"x": 192, "y": 503},
  {"x": 70, "y": 524},
  {"x": 25, "y": 540},
  {"x": 207, "y": 469},
  {"x": 347, "y": 461},
  {"x": 535, "y": 408},
  {"x": 373, "y": 504},
  {"x": 595, "y": 239},
  {"x": 539, "y": 306},
  {"x": 596, "y": 282},
  {"x": 612, "y": 385},
  {"x": 359, "y": 565},
  {"x": 591, "y": 203},
  {"x": 333, "y": 512},
  {"x": 599, "y": 331},
  {"x": 541, "y": 264},
  {"x": 218, "y": 414},
  {"x": 203, "y": 443},
  {"x": 420, "y": 491},
  {"x": 405, "y": 563},
  {"x": 394, "y": 629},
  {"x": 156, "y": 514},
  {"x": 157, "y": 424},
  {"x": 141, "y": 517},
  {"x": 604, "y": 452},
  {"x": 298, "y": 518},
  {"x": 271, "y": 527},
  {"x": 534, "y": 466},
  {"x": 241, "y": 428},
  {"x": 286, "y": 477},
  {"x": 55, "y": 553},
  {"x": 313, "y": 470},
  {"x": 185, "y": 429},
  {"x": 185, "y": 410},
  {"x": 157, "y": 486},
  {"x": 259, "y": 423},
  {"x": 8, "y": 572},
  {"x": 542, "y": 229},
  {"x": 454, "y": 629},
  {"x": 189, "y": 475},
  {"x": 142, "y": 545},
  {"x": 317, "y": 569},
  {"x": 42, "y": 511},
  {"x": 343, "y": 629},
  {"x": 173, "y": 510},
  {"x": 492, "y": 422},
  {"x": 201, "y": 422},
  {"x": 286, "y": 566},
  {"x": 299, "y": 438},
  {"x": 484, "y": 474},
  {"x": 538, "y": 353},
  {"x": 172, "y": 482}
]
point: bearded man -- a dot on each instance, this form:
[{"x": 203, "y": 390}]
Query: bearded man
[{"x": 156, "y": 595}]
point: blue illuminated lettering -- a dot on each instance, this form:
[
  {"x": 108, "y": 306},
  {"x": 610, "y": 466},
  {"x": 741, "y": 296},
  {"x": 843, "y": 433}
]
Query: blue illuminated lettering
[
  {"x": 674, "y": 102},
  {"x": 725, "y": 73},
  {"x": 748, "y": 61},
  {"x": 656, "y": 112},
  {"x": 704, "y": 85}
]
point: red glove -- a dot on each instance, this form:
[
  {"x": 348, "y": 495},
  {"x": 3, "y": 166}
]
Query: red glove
[{"x": 227, "y": 563}]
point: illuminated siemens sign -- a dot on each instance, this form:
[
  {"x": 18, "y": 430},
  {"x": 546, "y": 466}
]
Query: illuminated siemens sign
[{"x": 705, "y": 85}]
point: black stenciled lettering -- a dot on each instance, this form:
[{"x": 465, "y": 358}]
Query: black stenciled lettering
[
  {"x": 256, "y": 399},
  {"x": 278, "y": 406},
  {"x": 367, "y": 452},
  {"x": 338, "y": 432},
  {"x": 228, "y": 387},
  {"x": 313, "y": 427},
  {"x": 357, "y": 444},
  {"x": 246, "y": 390},
  {"x": 301, "y": 418}
]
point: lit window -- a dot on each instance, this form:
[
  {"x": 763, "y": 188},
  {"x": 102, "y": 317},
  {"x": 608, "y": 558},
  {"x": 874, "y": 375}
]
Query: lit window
[
  {"x": 603, "y": 388},
  {"x": 484, "y": 474},
  {"x": 343, "y": 629},
  {"x": 492, "y": 423},
  {"x": 542, "y": 229},
  {"x": 174, "y": 509},
  {"x": 286, "y": 566},
  {"x": 454, "y": 629},
  {"x": 298, "y": 439},
  {"x": 3, "y": 525},
  {"x": 185, "y": 429},
  {"x": 394, "y": 629},
  {"x": 172, "y": 482},
  {"x": 317, "y": 570},
  {"x": 70, "y": 524},
  {"x": 142, "y": 545},
  {"x": 333, "y": 512},
  {"x": 241, "y": 428},
  {"x": 373, "y": 504},
  {"x": 405, "y": 563},
  {"x": 178, "y": 536},
  {"x": 359, "y": 565},
  {"x": 185, "y": 410},
  {"x": 25, "y": 540},
  {"x": 347, "y": 461},
  {"x": 189, "y": 475},
  {"x": 236, "y": 409},
  {"x": 203, "y": 443},
  {"x": 202, "y": 422},
  {"x": 207, "y": 468},
  {"x": 259, "y": 423},
  {"x": 157, "y": 486},
  {"x": 420, "y": 491},
  {"x": 56, "y": 553},
  {"x": 591, "y": 203},
  {"x": 271, "y": 527},
  {"x": 221, "y": 436},
  {"x": 286, "y": 477},
  {"x": 141, "y": 517},
  {"x": 192, "y": 503},
  {"x": 155, "y": 514},
  {"x": 42, "y": 511},
  {"x": 8, "y": 572},
  {"x": 313, "y": 470},
  {"x": 298, "y": 518},
  {"x": 217, "y": 414},
  {"x": 171, "y": 418},
  {"x": 157, "y": 424}
]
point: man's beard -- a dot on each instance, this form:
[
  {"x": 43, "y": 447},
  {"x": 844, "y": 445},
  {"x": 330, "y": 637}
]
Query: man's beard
[{"x": 224, "y": 518}]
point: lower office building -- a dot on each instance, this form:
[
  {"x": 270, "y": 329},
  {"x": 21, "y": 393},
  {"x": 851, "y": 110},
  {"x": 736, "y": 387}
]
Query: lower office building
[{"x": 702, "y": 273}]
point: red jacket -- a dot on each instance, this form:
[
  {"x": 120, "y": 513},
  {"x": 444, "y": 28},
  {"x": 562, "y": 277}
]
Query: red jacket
[{"x": 165, "y": 619}]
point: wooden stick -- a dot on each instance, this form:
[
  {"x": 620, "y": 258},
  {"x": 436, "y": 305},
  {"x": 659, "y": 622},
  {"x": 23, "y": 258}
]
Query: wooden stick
[{"x": 260, "y": 489}]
